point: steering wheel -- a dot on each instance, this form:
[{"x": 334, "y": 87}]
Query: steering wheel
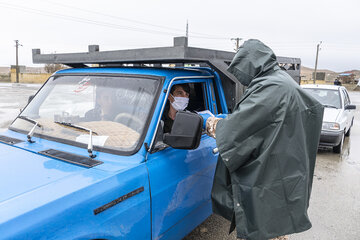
[{"x": 126, "y": 118}]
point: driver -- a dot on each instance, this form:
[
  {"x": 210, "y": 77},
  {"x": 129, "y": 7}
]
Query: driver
[
  {"x": 104, "y": 107},
  {"x": 179, "y": 100}
]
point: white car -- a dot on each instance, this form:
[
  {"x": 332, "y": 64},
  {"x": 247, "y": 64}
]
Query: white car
[{"x": 338, "y": 114}]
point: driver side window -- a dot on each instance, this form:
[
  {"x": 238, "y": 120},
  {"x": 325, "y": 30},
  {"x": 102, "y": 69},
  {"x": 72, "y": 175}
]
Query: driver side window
[{"x": 196, "y": 102}]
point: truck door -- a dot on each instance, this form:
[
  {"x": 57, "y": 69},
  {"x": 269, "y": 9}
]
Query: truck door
[{"x": 181, "y": 180}]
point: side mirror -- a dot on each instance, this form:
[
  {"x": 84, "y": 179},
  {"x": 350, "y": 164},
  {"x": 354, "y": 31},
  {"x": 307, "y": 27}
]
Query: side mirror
[
  {"x": 185, "y": 132},
  {"x": 30, "y": 98},
  {"x": 350, "y": 107}
]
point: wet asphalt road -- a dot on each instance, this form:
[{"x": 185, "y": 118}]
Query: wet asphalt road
[
  {"x": 335, "y": 200},
  {"x": 13, "y": 97}
]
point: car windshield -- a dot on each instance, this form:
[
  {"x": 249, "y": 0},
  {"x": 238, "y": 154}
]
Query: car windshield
[
  {"x": 115, "y": 108},
  {"x": 327, "y": 97}
]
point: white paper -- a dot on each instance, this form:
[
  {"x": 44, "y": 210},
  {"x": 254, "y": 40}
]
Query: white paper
[
  {"x": 206, "y": 112},
  {"x": 96, "y": 140}
]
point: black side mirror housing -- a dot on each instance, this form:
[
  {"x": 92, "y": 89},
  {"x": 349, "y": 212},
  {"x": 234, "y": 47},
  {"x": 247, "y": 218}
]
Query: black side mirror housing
[
  {"x": 350, "y": 107},
  {"x": 185, "y": 132}
]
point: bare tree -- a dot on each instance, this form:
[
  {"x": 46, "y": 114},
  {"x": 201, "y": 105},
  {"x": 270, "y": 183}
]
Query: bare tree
[{"x": 53, "y": 67}]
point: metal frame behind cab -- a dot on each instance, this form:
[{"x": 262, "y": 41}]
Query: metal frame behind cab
[{"x": 180, "y": 54}]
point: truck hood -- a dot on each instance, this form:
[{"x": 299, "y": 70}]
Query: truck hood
[
  {"x": 23, "y": 171},
  {"x": 331, "y": 114}
]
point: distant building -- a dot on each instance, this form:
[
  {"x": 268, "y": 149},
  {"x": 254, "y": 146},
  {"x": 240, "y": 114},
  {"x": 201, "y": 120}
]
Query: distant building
[
  {"x": 22, "y": 68},
  {"x": 319, "y": 75},
  {"x": 347, "y": 77}
]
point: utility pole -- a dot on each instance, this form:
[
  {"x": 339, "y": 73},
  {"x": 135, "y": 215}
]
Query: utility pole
[
  {"x": 187, "y": 29},
  {"x": 17, "y": 60},
  {"x": 237, "y": 42},
  {"x": 316, "y": 60}
]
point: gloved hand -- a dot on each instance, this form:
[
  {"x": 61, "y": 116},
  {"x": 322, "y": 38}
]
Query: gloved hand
[{"x": 205, "y": 116}]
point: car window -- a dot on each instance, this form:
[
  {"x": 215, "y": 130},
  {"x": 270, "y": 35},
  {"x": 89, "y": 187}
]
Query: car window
[
  {"x": 346, "y": 98},
  {"x": 327, "y": 97},
  {"x": 198, "y": 101}
]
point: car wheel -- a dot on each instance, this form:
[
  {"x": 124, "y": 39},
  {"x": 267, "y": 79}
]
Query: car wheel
[
  {"x": 338, "y": 148},
  {"x": 348, "y": 132}
]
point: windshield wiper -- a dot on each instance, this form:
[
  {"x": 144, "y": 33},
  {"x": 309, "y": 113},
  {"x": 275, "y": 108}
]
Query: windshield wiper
[
  {"x": 329, "y": 106},
  {"x": 31, "y": 133},
  {"x": 90, "y": 145}
]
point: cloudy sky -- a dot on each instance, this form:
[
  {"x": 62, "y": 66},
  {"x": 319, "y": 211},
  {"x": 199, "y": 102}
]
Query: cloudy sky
[{"x": 290, "y": 28}]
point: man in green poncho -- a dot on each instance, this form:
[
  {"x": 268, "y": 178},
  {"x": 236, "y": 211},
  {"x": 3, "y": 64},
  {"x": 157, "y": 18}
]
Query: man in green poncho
[{"x": 267, "y": 149}]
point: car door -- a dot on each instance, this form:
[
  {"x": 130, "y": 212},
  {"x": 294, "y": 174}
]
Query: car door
[
  {"x": 347, "y": 114},
  {"x": 181, "y": 182}
]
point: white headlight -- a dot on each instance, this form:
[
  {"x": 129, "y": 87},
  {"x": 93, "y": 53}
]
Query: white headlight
[{"x": 330, "y": 126}]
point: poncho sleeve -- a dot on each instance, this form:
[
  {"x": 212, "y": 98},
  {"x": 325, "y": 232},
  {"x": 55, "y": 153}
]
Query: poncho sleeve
[{"x": 250, "y": 128}]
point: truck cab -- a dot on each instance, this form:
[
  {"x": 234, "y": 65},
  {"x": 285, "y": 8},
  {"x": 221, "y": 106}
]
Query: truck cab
[
  {"x": 133, "y": 185},
  {"x": 88, "y": 158}
]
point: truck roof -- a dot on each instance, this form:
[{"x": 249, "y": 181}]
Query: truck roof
[
  {"x": 168, "y": 73},
  {"x": 180, "y": 54}
]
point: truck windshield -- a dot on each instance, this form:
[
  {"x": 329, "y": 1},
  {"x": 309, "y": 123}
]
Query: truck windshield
[{"x": 115, "y": 107}]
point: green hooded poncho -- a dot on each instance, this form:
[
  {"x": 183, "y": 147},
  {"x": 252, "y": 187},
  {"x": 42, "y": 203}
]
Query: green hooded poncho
[{"x": 267, "y": 149}]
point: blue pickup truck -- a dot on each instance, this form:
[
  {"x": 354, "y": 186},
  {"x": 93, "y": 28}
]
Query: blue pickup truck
[
  {"x": 52, "y": 188},
  {"x": 70, "y": 172}
]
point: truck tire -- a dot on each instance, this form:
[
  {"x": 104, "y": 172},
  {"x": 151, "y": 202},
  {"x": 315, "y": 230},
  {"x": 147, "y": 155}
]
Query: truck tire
[{"x": 338, "y": 148}]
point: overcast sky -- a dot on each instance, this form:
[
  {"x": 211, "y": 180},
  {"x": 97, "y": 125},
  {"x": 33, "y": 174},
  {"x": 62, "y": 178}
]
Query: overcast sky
[{"x": 290, "y": 28}]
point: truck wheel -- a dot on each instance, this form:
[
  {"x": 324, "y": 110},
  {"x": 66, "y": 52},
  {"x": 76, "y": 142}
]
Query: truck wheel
[{"x": 338, "y": 148}]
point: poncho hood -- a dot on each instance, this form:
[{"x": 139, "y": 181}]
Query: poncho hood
[{"x": 253, "y": 59}]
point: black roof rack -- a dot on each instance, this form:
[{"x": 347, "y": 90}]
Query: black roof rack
[{"x": 179, "y": 55}]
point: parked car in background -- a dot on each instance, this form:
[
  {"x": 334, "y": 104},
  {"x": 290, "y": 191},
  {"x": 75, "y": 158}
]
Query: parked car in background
[{"x": 338, "y": 114}]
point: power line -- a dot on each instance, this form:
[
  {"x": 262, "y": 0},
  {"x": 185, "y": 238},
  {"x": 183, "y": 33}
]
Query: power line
[
  {"x": 82, "y": 20},
  {"x": 135, "y": 21},
  {"x": 116, "y": 17},
  {"x": 106, "y": 24},
  {"x": 112, "y": 16}
]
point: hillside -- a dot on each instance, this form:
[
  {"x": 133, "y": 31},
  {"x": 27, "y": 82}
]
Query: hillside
[
  {"x": 330, "y": 75},
  {"x": 6, "y": 70},
  {"x": 305, "y": 72}
]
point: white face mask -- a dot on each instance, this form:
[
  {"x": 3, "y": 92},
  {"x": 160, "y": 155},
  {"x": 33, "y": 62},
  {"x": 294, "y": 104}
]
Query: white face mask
[{"x": 180, "y": 103}]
